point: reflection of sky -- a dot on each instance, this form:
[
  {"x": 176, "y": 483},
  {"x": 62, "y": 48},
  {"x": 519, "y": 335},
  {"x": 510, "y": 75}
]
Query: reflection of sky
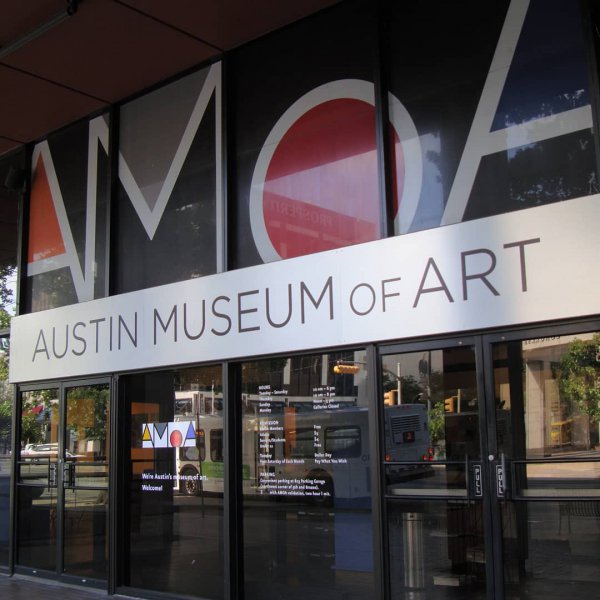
[
  {"x": 431, "y": 206},
  {"x": 347, "y": 186},
  {"x": 548, "y": 71}
]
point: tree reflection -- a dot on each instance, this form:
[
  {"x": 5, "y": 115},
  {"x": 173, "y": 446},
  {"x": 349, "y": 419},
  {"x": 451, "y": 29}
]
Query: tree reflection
[{"x": 579, "y": 379}]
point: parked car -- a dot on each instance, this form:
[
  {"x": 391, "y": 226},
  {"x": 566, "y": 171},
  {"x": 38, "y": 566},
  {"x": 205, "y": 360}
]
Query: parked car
[{"x": 36, "y": 452}]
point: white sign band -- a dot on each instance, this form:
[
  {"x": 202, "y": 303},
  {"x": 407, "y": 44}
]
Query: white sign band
[{"x": 522, "y": 267}]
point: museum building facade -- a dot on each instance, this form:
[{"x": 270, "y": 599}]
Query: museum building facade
[{"x": 321, "y": 318}]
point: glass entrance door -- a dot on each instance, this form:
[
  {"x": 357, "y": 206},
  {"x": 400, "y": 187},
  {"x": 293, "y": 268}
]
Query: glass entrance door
[
  {"x": 62, "y": 482},
  {"x": 491, "y": 467},
  {"x": 546, "y": 392},
  {"x": 433, "y": 470}
]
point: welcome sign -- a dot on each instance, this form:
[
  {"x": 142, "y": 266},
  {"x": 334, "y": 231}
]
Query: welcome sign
[{"x": 534, "y": 265}]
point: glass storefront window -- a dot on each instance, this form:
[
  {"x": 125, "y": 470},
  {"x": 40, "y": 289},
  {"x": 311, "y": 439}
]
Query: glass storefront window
[
  {"x": 549, "y": 387},
  {"x": 167, "y": 197},
  {"x": 173, "y": 520},
  {"x": 306, "y": 478},
  {"x": 435, "y": 390},
  {"x": 304, "y": 140},
  {"x": 500, "y": 112},
  {"x": 67, "y": 229}
]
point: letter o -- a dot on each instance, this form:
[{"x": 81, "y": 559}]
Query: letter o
[{"x": 373, "y": 297}]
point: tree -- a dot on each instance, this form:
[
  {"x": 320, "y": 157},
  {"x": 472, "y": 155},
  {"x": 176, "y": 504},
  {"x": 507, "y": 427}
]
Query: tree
[
  {"x": 6, "y": 397},
  {"x": 5, "y": 417},
  {"x": 87, "y": 415},
  {"x": 437, "y": 427},
  {"x": 410, "y": 389},
  {"x": 579, "y": 378},
  {"x": 6, "y": 294}
]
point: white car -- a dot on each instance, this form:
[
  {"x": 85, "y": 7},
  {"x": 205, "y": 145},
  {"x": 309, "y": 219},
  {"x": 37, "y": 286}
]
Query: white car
[{"x": 35, "y": 452}]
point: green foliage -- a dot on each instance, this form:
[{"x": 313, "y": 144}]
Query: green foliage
[
  {"x": 6, "y": 295},
  {"x": 409, "y": 387},
  {"x": 4, "y": 365},
  {"x": 4, "y": 319},
  {"x": 6, "y": 404},
  {"x": 32, "y": 427},
  {"x": 579, "y": 377},
  {"x": 6, "y": 390},
  {"x": 31, "y": 432},
  {"x": 87, "y": 408},
  {"x": 437, "y": 422}
]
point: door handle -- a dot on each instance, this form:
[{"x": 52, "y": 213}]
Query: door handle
[
  {"x": 473, "y": 480},
  {"x": 69, "y": 474},
  {"x": 501, "y": 474},
  {"x": 477, "y": 480},
  {"x": 52, "y": 474},
  {"x": 468, "y": 478}
]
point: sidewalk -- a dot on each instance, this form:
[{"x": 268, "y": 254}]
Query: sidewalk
[{"x": 19, "y": 587}]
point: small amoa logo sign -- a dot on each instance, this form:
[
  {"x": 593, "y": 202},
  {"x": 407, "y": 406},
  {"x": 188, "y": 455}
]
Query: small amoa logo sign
[
  {"x": 173, "y": 434},
  {"x": 315, "y": 184}
]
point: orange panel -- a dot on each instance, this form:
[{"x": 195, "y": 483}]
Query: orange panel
[{"x": 45, "y": 238}]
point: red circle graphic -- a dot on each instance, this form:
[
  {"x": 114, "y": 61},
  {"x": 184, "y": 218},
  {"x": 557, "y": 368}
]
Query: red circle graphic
[
  {"x": 321, "y": 185},
  {"x": 176, "y": 439}
]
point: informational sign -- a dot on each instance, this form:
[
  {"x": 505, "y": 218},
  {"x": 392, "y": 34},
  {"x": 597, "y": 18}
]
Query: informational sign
[
  {"x": 534, "y": 265},
  {"x": 300, "y": 447}
]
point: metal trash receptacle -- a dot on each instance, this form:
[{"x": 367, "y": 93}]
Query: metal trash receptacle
[{"x": 412, "y": 537}]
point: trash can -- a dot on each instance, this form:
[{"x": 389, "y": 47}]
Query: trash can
[{"x": 412, "y": 534}]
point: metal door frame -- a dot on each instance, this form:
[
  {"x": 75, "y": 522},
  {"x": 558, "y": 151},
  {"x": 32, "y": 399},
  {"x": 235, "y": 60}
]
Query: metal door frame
[
  {"x": 492, "y": 565},
  {"x": 482, "y": 344},
  {"x": 61, "y": 387},
  {"x": 487, "y": 342}
]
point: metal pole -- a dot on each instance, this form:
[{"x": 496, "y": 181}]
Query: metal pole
[{"x": 412, "y": 532}]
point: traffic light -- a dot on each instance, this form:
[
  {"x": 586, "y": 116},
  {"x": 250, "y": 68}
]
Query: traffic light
[
  {"x": 450, "y": 404},
  {"x": 345, "y": 369},
  {"x": 390, "y": 398}
]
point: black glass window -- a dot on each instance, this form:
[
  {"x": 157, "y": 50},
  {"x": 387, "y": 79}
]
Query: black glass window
[
  {"x": 168, "y": 173},
  {"x": 12, "y": 180},
  {"x": 172, "y": 524},
  {"x": 306, "y": 478},
  {"x": 495, "y": 106},
  {"x": 304, "y": 139},
  {"x": 67, "y": 227}
]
